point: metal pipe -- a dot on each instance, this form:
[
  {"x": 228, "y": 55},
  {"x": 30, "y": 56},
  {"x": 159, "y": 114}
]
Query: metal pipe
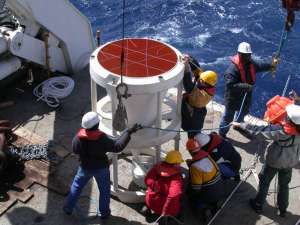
[
  {"x": 47, "y": 57},
  {"x": 94, "y": 96},
  {"x": 178, "y": 111},
  {"x": 115, "y": 155},
  {"x": 158, "y": 124}
]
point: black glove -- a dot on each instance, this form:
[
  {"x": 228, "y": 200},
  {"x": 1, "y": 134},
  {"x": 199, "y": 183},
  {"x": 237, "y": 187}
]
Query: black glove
[
  {"x": 134, "y": 128},
  {"x": 194, "y": 64},
  {"x": 246, "y": 87}
]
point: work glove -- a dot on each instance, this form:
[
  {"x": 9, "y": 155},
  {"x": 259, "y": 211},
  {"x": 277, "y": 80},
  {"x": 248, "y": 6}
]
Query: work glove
[
  {"x": 246, "y": 87},
  {"x": 293, "y": 95},
  {"x": 275, "y": 62},
  {"x": 134, "y": 128},
  {"x": 197, "y": 72}
]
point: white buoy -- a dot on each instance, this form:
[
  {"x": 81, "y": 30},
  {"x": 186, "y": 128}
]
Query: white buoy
[{"x": 153, "y": 72}]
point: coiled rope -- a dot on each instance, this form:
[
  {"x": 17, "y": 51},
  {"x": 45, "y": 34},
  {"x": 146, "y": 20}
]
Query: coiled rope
[{"x": 54, "y": 89}]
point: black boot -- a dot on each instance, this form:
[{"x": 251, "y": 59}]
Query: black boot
[{"x": 255, "y": 206}]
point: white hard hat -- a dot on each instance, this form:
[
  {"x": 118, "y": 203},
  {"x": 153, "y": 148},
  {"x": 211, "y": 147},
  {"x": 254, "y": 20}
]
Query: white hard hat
[
  {"x": 293, "y": 112},
  {"x": 89, "y": 120},
  {"x": 203, "y": 139},
  {"x": 245, "y": 48}
]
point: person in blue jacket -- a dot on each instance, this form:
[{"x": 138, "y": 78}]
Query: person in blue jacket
[
  {"x": 240, "y": 79},
  {"x": 91, "y": 145}
]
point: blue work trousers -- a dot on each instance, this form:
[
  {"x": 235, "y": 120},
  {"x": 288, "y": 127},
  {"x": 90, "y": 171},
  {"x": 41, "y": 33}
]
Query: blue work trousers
[
  {"x": 102, "y": 177},
  {"x": 228, "y": 117}
]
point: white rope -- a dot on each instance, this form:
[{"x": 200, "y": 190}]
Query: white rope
[{"x": 54, "y": 89}]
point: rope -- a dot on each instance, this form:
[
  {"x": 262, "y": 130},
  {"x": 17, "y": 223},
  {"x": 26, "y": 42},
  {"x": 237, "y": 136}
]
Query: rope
[
  {"x": 230, "y": 196},
  {"x": 206, "y": 129},
  {"x": 168, "y": 216},
  {"x": 286, "y": 85},
  {"x": 123, "y": 36},
  {"x": 281, "y": 43},
  {"x": 54, "y": 89},
  {"x": 120, "y": 118}
]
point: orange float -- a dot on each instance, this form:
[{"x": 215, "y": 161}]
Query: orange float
[{"x": 276, "y": 112}]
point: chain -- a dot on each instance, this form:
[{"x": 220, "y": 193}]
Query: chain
[
  {"x": 120, "y": 118},
  {"x": 31, "y": 152}
]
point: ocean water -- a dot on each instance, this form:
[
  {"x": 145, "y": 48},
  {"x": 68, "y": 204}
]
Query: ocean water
[{"x": 210, "y": 30}]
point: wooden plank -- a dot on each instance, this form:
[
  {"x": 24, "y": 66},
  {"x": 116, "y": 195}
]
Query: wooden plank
[
  {"x": 4, "y": 206},
  {"x": 23, "y": 196},
  {"x": 13, "y": 197},
  {"x": 30, "y": 136}
]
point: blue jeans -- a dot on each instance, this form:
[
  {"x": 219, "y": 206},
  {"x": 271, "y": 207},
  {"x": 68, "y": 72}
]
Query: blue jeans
[
  {"x": 265, "y": 178},
  {"x": 228, "y": 117},
  {"x": 82, "y": 177}
]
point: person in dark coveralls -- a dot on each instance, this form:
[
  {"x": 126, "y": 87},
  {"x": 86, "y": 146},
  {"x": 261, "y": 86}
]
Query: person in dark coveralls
[
  {"x": 200, "y": 89},
  {"x": 92, "y": 145},
  {"x": 282, "y": 154},
  {"x": 240, "y": 79},
  {"x": 291, "y": 6}
]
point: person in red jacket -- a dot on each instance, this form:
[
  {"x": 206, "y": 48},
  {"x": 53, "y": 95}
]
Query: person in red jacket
[{"x": 165, "y": 186}]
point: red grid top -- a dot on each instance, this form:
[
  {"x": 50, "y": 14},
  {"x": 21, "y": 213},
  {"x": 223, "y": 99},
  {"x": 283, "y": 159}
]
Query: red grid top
[{"x": 142, "y": 57}]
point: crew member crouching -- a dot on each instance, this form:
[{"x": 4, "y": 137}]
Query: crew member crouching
[
  {"x": 206, "y": 186},
  {"x": 165, "y": 186},
  {"x": 223, "y": 152}
]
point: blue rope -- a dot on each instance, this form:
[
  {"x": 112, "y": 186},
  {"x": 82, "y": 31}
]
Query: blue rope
[
  {"x": 286, "y": 85},
  {"x": 242, "y": 106}
]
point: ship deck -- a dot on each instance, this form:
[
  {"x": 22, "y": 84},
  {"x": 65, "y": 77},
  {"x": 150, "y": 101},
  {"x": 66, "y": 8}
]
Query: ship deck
[{"x": 45, "y": 206}]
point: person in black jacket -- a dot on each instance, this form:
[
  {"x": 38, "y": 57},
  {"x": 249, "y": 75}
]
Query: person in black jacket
[
  {"x": 240, "y": 79},
  {"x": 92, "y": 145}
]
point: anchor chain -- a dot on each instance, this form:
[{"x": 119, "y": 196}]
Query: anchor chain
[{"x": 31, "y": 152}]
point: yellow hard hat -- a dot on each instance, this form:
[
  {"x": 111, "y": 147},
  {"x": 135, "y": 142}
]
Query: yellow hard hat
[
  {"x": 209, "y": 77},
  {"x": 174, "y": 157}
]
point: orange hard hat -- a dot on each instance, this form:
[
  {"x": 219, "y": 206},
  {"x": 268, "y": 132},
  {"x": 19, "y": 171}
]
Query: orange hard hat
[{"x": 193, "y": 145}]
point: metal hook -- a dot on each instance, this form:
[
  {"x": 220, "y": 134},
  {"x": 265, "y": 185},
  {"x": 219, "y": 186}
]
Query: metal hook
[{"x": 125, "y": 93}]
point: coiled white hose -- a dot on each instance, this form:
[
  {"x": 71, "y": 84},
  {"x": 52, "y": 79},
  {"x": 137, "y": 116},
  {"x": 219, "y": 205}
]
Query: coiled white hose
[{"x": 53, "y": 89}]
